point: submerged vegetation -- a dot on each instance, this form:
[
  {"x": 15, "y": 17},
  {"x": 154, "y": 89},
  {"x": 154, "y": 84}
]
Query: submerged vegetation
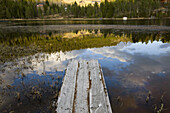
[
  {"x": 39, "y": 90},
  {"x": 119, "y": 8},
  {"x": 25, "y": 46}
]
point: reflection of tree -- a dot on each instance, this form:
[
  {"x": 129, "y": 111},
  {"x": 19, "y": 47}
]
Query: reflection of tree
[
  {"x": 12, "y": 48},
  {"x": 82, "y": 36},
  {"x": 150, "y": 37}
]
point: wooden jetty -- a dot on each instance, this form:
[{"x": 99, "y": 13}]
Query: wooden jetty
[{"x": 83, "y": 89}]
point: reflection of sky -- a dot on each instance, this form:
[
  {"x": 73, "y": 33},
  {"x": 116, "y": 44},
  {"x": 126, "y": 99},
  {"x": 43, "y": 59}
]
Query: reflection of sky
[
  {"x": 109, "y": 57},
  {"x": 155, "y": 48},
  {"x": 132, "y": 64},
  {"x": 35, "y": 79},
  {"x": 115, "y": 58},
  {"x": 128, "y": 68}
]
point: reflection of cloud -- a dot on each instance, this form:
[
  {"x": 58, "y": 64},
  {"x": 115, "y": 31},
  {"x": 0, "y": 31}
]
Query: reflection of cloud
[
  {"x": 165, "y": 46},
  {"x": 148, "y": 64},
  {"x": 143, "y": 68},
  {"x": 155, "y": 48},
  {"x": 133, "y": 70},
  {"x": 130, "y": 67},
  {"x": 112, "y": 52},
  {"x": 55, "y": 61}
]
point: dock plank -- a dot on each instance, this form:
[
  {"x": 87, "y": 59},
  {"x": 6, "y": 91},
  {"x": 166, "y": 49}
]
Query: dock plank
[
  {"x": 106, "y": 93},
  {"x": 65, "y": 101},
  {"x": 83, "y": 89},
  {"x": 98, "y": 99}
]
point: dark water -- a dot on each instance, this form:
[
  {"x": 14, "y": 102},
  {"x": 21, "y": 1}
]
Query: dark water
[
  {"x": 161, "y": 22},
  {"x": 136, "y": 65}
]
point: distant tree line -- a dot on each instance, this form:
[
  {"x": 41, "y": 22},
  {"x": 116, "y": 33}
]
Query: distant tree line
[{"x": 119, "y": 8}]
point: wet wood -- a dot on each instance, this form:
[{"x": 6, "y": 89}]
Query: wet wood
[{"x": 83, "y": 89}]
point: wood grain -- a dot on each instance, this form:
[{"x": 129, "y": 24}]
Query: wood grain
[{"x": 83, "y": 89}]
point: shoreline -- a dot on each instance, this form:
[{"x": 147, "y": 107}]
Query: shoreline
[{"x": 84, "y": 19}]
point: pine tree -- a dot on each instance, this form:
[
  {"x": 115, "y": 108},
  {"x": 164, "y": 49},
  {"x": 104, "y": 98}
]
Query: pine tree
[
  {"x": 8, "y": 14},
  {"x": 47, "y": 2},
  {"x": 39, "y": 12},
  {"x": 27, "y": 12},
  {"x": 2, "y": 9},
  {"x": 45, "y": 9},
  {"x": 102, "y": 8},
  {"x": 110, "y": 10}
]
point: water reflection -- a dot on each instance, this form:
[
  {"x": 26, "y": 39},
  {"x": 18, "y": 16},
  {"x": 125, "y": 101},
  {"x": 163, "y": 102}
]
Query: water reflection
[
  {"x": 162, "y": 22},
  {"x": 123, "y": 54},
  {"x": 154, "y": 48},
  {"x": 133, "y": 65}
]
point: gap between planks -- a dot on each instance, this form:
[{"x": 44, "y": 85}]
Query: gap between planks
[{"x": 84, "y": 89}]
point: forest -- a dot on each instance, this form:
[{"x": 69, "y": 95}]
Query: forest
[{"x": 24, "y": 9}]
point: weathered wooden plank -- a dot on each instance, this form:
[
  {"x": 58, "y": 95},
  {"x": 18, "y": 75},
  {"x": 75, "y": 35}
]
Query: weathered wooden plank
[
  {"x": 105, "y": 91},
  {"x": 98, "y": 96},
  {"x": 81, "y": 105},
  {"x": 66, "y": 97},
  {"x": 83, "y": 89}
]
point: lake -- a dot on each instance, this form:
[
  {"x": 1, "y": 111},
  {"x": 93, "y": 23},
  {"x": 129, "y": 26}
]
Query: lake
[{"x": 134, "y": 56}]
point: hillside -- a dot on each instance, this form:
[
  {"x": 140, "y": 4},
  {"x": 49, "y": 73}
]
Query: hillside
[{"x": 80, "y": 2}]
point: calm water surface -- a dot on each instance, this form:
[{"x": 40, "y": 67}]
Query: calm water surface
[
  {"x": 162, "y": 22},
  {"x": 133, "y": 70}
]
